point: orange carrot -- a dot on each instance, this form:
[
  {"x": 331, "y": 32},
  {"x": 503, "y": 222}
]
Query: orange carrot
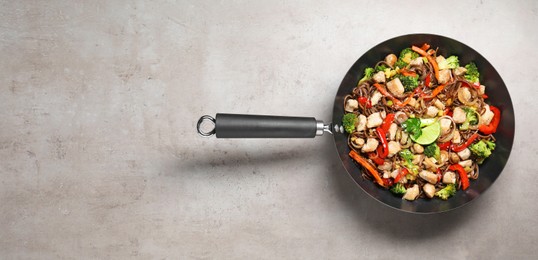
[
  {"x": 387, "y": 94},
  {"x": 430, "y": 59},
  {"x": 408, "y": 73},
  {"x": 368, "y": 166},
  {"x": 425, "y": 46},
  {"x": 435, "y": 92}
]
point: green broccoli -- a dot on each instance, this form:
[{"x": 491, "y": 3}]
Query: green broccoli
[
  {"x": 349, "y": 121},
  {"x": 446, "y": 192},
  {"x": 408, "y": 161},
  {"x": 471, "y": 118},
  {"x": 482, "y": 149},
  {"x": 433, "y": 150},
  {"x": 409, "y": 82},
  {"x": 472, "y": 74},
  {"x": 398, "y": 189},
  {"x": 381, "y": 67},
  {"x": 406, "y": 56},
  {"x": 368, "y": 72},
  {"x": 451, "y": 62}
]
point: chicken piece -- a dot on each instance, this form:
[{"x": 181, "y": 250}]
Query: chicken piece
[
  {"x": 460, "y": 71},
  {"x": 457, "y": 137},
  {"x": 464, "y": 154},
  {"x": 444, "y": 76},
  {"x": 449, "y": 177},
  {"x": 351, "y": 105},
  {"x": 386, "y": 166},
  {"x": 391, "y": 59},
  {"x": 417, "y": 62},
  {"x": 445, "y": 125},
  {"x": 392, "y": 131},
  {"x": 459, "y": 115},
  {"x": 374, "y": 120},
  {"x": 370, "y": 146},
  {"x": 428, "y": 176},
  {"x": 359, "y": 142},
  {"x": 464, "y": 95},
  {"x": 394, "y": 148},
  {"x": 417, "y": 158},
  {"x": 395, "y": 87},
  {"x": 417, "y": 148},
  {"x": 440, "y": 59},
  {"x": 482, "y": 90},
  {"x": 429, "y": 190},
  {"x": 395, "y": 173},
  {"x": 379, "y": 77},
  {"x": 466, "y": 163},
  {"x": 432, "y": 111},
  {"x": 411, "y": 193},
  {"x": 361, "y": 126},
  {"x": 487, "y": 116},
  {"x": 439, "y": 104},
  {"x": 375, "y": 98},
  {"x": 413, "y": 102}
]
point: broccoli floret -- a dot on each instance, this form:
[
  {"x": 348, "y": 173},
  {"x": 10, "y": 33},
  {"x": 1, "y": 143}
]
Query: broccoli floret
[
  {"x": 451, "y": 62},
  {"x": 400, "y": 64},
  {"x": 406, "y": 56},
  {"x": 368, "y": 72},
  {"x": 446, "y": 192},
  {"x": 349, "y": 121},
  {"x": 472, "y": 74},
  {"x": 432, "y": 150},
  {"x": 398, "y": 189},
  {"x": 471, "y": 118},
  {"x": 482, "y": 149},
  {"x": 409, "y": 82},
  {"x": 381, "y": 67},
  {"x": 408, "y": 161}
]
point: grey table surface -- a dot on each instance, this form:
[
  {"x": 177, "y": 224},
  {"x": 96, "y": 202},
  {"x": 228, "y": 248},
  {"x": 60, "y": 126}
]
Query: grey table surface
[{"x": 100, "y": 158}]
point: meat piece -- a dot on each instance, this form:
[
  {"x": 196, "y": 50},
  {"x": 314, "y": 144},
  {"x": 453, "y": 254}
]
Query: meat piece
[
  {"x": 429, "y": 190},
  {"x": 457, "y": 137},
  {"x": 395, "y": 173},
  {"x": 487, "y": 116},
  {"x": 417, "y": 158},
  {"x": 440, "y": 59},
  {"x": 428, "y": 176},
  {"x": 394, "y": 147},
  {"x": 417, "y": 62},
  {"x": 464, "y": 95},
  {"x": 464, "y": 154},
  {"x": 351, "y": 105},
  {"x": 395, "y": 87},
  {"x": 439, "y": 104},
  {"x": 449, "y": 177},
  {"x": 386, "y": 166},
  {"x": 370, "y": 146},
  {"x": 466, "y": 163},
  {"x": 432, "y": 111},
  {"x": 379, "y": 77},
  {"x": 391, "y": 59},
  {"x": 361, "y": 126},
  {"x": 374, "y": 120},
  {"x": 359, "y": 142},
  {"x": 445, "y": 125},
  {"x": 411, "y": 193},
  {"x": 459, "y": 115},
  {"x": 375, "y": 98},
  {"x": 482, "y": 90},
  {"x": 413, "y": 102},
  {"x": 444, "y": 76},
  {"x": 460, "y": 71},
  {"x": 392, "y": 131}
]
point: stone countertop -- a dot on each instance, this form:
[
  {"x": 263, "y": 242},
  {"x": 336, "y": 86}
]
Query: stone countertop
[{"x": 100, "y": 158}]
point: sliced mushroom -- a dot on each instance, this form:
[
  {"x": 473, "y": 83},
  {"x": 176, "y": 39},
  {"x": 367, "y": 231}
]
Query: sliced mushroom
[
  {"x": 429, "y": 190},
  {"x": 411, "y": 193},
  {"x": 391, "y": 59},
  {"x": 417, "y": 148},
  {"x": 418, "y": 158},
  {"x": 400, "y": 117},
  {"x": 356, "y": 141},
  {"x": 428, "y": 176},
  {"x": 454, "y": 158},
  {"x": 445, "y": 125}
]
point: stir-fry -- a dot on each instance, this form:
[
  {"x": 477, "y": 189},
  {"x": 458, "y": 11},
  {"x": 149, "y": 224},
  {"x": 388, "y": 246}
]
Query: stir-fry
[{"x": 419, "y": 125}]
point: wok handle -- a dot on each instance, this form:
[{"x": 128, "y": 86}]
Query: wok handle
[{"x": 263, "y": 126}]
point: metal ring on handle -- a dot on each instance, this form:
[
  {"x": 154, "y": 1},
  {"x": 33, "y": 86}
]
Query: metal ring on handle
[{"x": 201, "y": 120}]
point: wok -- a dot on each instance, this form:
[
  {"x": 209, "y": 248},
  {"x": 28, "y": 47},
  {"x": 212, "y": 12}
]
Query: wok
[{"x": 258, "y": 126}]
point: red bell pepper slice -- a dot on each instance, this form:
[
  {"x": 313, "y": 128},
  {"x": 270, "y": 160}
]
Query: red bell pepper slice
[
  {"x": 401, "y": 174},
  {"x": 382, "y": 137},
  {"x": 461, "y": 147},
  {"x": 428, "y": 80},
  {"x": 365, "y": 102},
  {"x": 375, "y": 158},
  {"x": 492, "y": 127},
  {"x": 387, "y": 122},
  {"x": 444, "y": 146},
  {"x": 463, "y": 175}
]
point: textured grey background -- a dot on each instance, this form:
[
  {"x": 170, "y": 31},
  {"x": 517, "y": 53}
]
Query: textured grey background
[{"x": 99, "y": 157}]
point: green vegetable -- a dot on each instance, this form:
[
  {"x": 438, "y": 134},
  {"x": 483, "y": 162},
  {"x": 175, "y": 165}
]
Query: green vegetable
[
  {"x": 349, "y": 121},
  {"x": 406, "y": 56},
  {"x": 408, "y": 161},
  {"x": 472, "y": 74},
  {"x": 433, "y": 150},
  {"x": 446, "y": 192},
  {"x": 471, "y": 118},
  {"x": 368, "y": 72},
  {"x": 451, "y": 62},
  {"x": 398, "y": 189},
  {"x": 412, "y": 126},
  {"x": 409, "y": 82},
  {"x": 381, "y": 67},
  {"x": 482, "y": 149}
]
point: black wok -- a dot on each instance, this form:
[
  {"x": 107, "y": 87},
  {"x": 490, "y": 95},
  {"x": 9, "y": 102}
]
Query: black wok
[{"x": 255, "y": 126}]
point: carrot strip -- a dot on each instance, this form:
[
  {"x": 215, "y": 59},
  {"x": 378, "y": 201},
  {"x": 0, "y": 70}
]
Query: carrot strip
[
  {"x": 387, "y": 94},
  {"x": 435, "y": 92},
  {"x": 425, "y": 46},
  {"x": 408, "y": 73},
  {"x": 430, "y": 59},
  {"x": 369, "y": 167}
]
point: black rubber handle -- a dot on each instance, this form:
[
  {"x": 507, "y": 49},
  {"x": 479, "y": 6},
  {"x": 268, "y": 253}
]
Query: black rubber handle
[{"x": 260, "y": 126}]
